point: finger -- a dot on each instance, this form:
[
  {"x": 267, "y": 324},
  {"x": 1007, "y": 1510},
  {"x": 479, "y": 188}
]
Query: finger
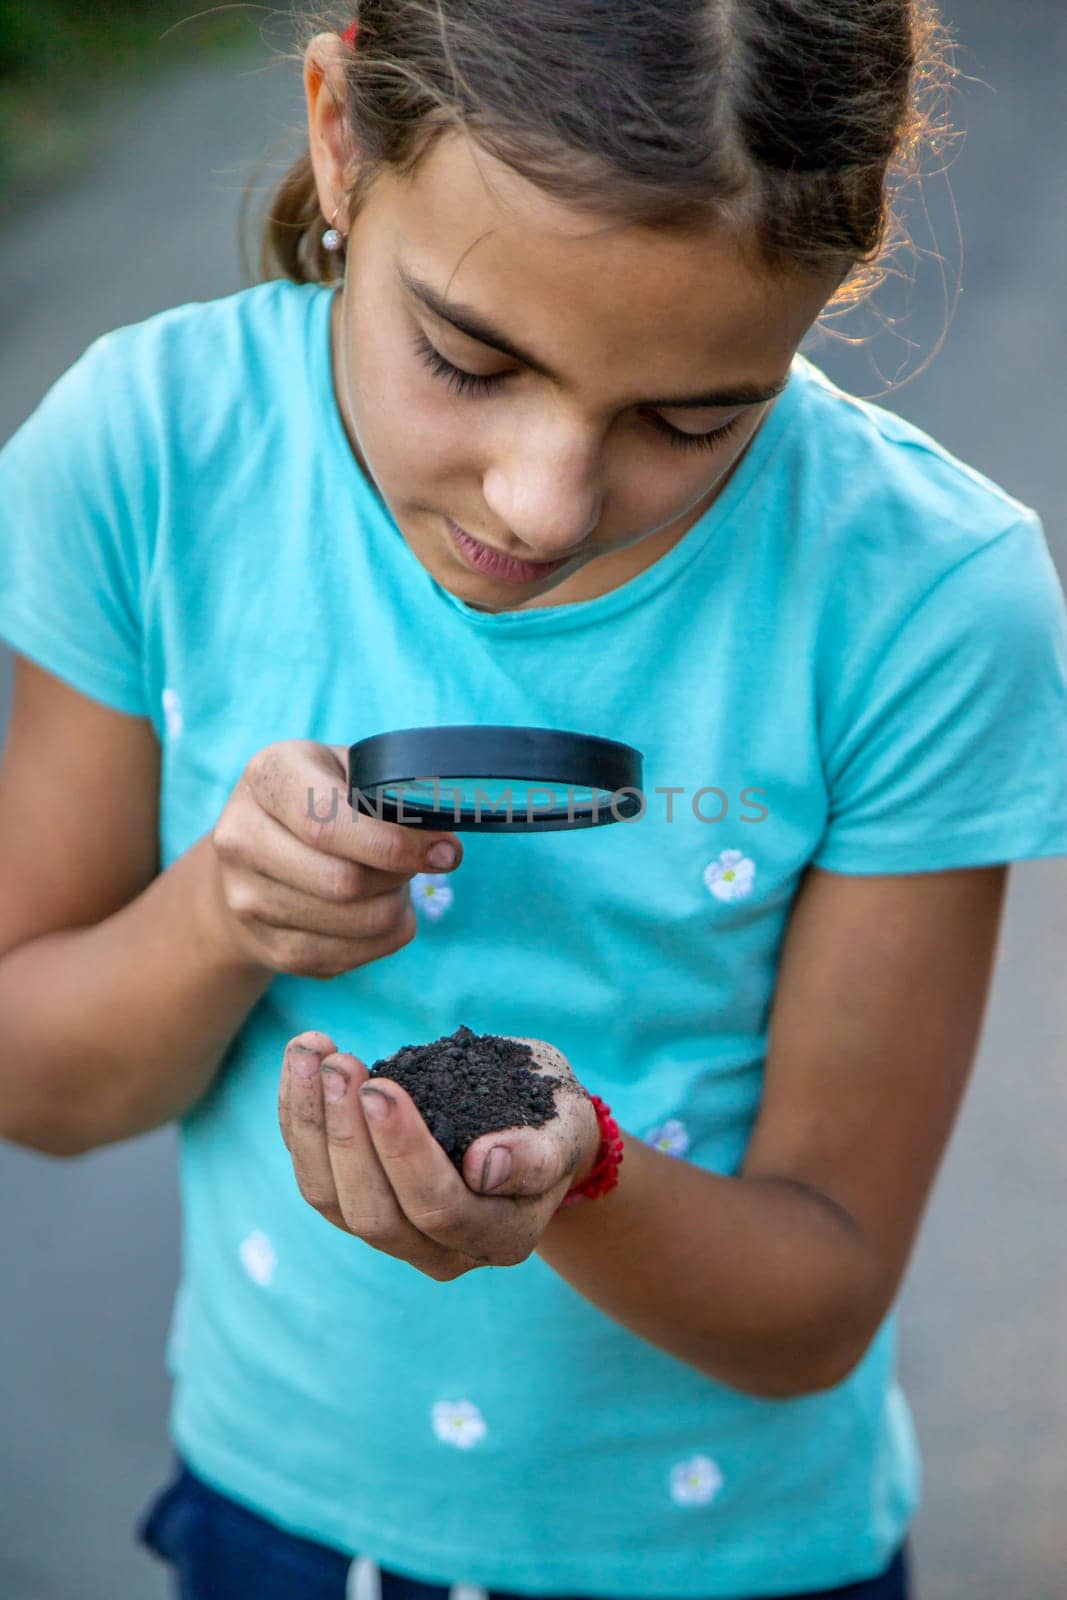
[
  {"x": 315, "y": 1041},
  {"x": 304, "y": 785},
  {"x": 266, "y": 846},
  {"x": 365, "y": 1193},
  {"x": 428, "y": 1189},
  {"x": 283, "y": 1102},
  {"x": 306, "y": 1123},
  {"x": 278, "y": 905}
]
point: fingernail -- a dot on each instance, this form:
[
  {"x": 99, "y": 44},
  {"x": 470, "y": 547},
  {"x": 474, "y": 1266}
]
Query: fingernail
[
  {"x": 376, "y": 1105},
  {"x": 442, "y": 855},
  {"x": 334, "y": 1083},
  {"x": 305, "y": 1062},
  {"x": 497, "y": 1168}
]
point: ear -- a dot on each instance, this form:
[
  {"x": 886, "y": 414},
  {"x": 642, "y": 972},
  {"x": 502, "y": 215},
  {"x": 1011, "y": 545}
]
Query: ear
[{"x": 328, "y": 136}]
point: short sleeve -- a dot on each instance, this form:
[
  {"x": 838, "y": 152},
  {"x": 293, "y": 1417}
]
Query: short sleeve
[
  {"x": 951, "y": 750},
  {"x": 72, "y": 529}
]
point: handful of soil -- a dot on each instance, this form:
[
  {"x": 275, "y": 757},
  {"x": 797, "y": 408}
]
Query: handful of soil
[{"x": 467, "y": 1084}]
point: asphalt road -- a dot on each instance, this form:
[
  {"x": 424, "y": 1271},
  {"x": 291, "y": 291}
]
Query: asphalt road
[{"x": 89, "y": 1248}]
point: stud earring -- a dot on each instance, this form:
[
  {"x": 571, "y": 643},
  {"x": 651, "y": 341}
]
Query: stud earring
[{"x": 332, "y": 239}]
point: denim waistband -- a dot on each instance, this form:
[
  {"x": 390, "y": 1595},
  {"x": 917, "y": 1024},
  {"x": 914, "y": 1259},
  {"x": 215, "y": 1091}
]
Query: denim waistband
[{"x": 221, "y": 1550}]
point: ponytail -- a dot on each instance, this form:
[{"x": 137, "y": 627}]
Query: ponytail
[{"x": 291, "y": 241}]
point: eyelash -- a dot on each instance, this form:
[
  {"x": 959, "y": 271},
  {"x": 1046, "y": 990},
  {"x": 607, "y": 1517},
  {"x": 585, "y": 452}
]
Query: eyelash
[{"x": 474, "y": 384}]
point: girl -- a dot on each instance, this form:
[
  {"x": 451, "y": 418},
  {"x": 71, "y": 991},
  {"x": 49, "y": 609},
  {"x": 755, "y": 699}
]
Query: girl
[{"x": 548, "y": 454}]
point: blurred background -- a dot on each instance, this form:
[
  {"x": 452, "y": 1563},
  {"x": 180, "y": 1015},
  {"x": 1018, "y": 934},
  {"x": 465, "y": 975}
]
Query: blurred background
[{"x": 126, "y": 144}]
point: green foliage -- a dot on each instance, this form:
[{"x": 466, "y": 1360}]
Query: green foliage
[
  {"x": 30, "y": 36},
  {"x": 57, "y": 57},
  {"x": 71, "y": 39}
]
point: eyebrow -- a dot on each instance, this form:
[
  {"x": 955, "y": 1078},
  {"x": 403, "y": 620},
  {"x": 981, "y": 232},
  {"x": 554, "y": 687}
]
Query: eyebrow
[{"x": 475, "y": 326}]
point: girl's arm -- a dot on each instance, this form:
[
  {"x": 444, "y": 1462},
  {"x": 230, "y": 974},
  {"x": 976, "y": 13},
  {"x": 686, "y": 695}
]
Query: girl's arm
[
  {"x": 776, "y": 1280},
  {"x": 117, "y": 997}
]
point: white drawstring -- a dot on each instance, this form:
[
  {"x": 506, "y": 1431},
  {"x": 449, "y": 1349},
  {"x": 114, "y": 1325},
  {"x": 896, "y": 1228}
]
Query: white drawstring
[{"x": 364, "y": 1581}]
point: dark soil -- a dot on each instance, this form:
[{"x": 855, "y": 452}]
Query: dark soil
[{"x": 467, "y": 1084}]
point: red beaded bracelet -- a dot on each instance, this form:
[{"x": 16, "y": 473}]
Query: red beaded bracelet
[{"x": 605, "y": 1173}]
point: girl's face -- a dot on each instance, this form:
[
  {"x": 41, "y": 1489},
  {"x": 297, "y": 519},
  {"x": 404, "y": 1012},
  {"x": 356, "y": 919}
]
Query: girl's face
[{"x": 630, "y": 385}]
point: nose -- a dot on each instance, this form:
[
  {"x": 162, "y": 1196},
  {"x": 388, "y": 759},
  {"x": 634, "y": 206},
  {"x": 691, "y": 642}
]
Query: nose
[{"x": 546, "y": 489}]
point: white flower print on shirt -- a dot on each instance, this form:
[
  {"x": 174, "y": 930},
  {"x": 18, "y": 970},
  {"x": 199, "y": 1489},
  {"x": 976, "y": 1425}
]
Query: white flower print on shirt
[
  {"x": 431, "y": 893},
  {"x": 458, "y": 1422},
  {"x": 258, "y": 1258},
  {"x": 730, "y": 877},
  {"x": 172, "y": 713},
  {"x": 695, "y": 1482},
  {"x": 671, "y": 1136}
]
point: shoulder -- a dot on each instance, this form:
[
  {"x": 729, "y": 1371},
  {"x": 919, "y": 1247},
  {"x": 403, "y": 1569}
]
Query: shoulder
[
  {"x": 892, "y": 503},
  {"x": 274, "y": 309},
  {"x": 897, "y": 540},
  {"x": 927, "y": 581},
  {"x": 177, "y": 402},
  {"x": 159, "y": 381},
  {"x": 154, "y": 412},
  {"x": 209, "y": 353}
]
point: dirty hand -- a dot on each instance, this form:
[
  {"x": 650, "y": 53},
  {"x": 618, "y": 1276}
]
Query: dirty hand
[
  {"x": 300, "y": 881},
  {"x": 391, "y": 1184}
]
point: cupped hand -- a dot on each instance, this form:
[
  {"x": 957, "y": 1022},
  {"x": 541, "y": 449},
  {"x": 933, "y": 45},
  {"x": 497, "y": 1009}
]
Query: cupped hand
[{"x": 391, "y": 1184}]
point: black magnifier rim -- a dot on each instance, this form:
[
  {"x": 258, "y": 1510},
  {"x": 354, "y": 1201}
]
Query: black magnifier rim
[{"x": 548, "y": 755}]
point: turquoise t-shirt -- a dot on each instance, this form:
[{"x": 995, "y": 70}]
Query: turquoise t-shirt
[{"x": 857, "y": 657}]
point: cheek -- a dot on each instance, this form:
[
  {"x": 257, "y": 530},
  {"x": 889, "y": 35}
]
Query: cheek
[
  {"x": 655, "y": 487},
  {"x": 435, "y": 445},
  {"x": 388, "y": 387},
  {"x": 405, "y": 427}
]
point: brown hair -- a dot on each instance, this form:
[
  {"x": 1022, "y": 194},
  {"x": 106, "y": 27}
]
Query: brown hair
[{"x": 796, "y": 121}]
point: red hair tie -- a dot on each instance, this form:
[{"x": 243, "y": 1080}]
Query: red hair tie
[{"x": 349, "y": 35}]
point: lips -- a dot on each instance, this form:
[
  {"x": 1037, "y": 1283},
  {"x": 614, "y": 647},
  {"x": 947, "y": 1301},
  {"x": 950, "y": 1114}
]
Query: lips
[{"x": 484, "y": 559}]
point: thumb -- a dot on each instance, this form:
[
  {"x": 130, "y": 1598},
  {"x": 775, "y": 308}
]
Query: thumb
[{"x": 536, "y": 1165}]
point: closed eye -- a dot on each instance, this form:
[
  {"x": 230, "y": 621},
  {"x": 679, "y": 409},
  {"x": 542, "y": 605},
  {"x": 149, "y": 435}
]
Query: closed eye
[{"x": 475, "y": 385}]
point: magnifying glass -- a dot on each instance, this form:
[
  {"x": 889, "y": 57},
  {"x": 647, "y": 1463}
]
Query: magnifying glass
[{"x": 492, "y": 779}]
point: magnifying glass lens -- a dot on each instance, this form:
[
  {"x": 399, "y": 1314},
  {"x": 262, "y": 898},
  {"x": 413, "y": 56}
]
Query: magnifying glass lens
[
  {"x": 531, "y": 778},
  {"x": 511, "y": 798}
]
